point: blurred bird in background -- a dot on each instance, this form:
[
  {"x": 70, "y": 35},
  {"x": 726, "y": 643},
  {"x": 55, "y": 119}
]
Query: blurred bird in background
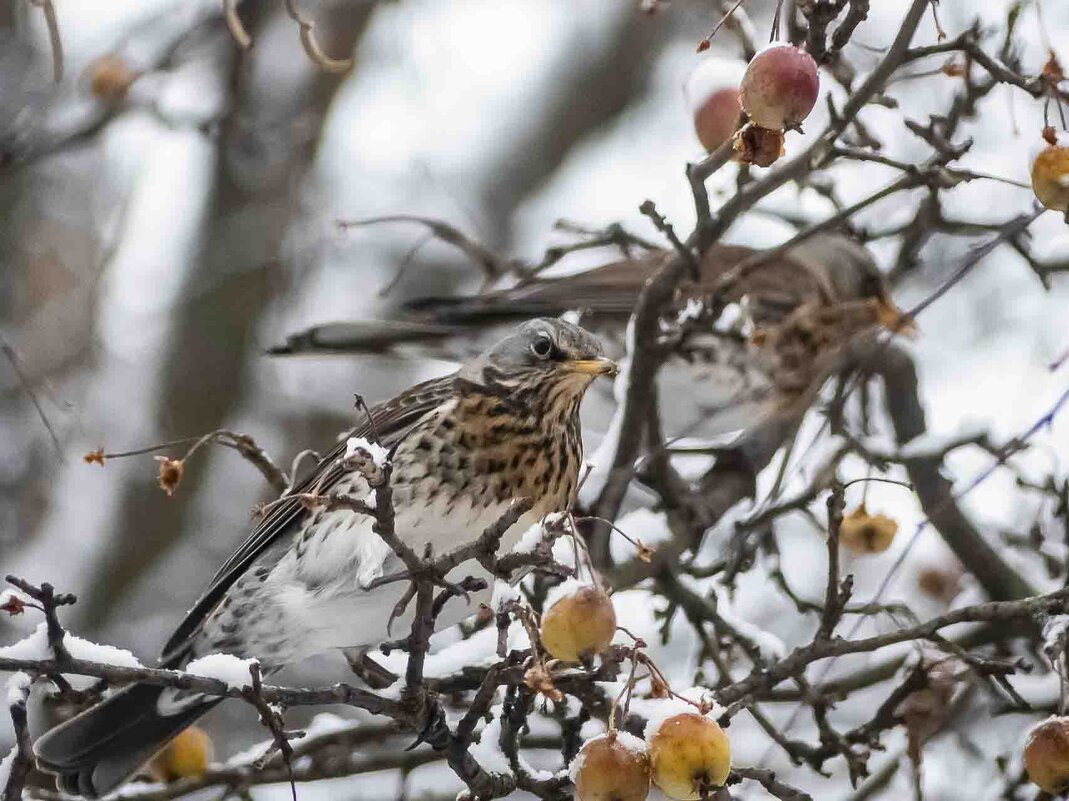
[
  {"x": 781, "y": 335},
  {"x": 462, "y": 448}
]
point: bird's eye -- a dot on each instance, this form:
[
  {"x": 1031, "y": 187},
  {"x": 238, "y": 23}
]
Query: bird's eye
[{"x": 542, "y": 347}]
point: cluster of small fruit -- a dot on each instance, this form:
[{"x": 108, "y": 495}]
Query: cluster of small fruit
[
  {"x": 686, "y": 754},
  {"x": 776, "y": 93}
]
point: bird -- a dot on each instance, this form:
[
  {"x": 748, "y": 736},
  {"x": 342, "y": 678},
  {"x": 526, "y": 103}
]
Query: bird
[
  {"x": 789, "y": 319},
  {"x": 461, "y": 449}
]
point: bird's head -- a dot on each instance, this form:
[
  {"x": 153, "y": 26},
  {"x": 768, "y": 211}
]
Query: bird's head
[{"x": 541, "y": 353}]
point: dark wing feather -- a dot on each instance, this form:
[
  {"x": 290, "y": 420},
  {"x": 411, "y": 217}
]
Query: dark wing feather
[
  {"x": 611, "y": 291},
  {"x": 391, "y": 421}
]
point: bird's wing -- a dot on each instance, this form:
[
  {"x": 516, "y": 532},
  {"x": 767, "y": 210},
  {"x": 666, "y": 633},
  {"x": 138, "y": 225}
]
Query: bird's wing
[
  {"x": 611, "y": 290},
  {"x": 391, "y": 421},
  {"x": 606, "y": 293}
]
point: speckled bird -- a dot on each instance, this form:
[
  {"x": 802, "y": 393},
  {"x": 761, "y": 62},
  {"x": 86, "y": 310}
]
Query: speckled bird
[
  {"x": 462, "y": 448},
  {"x": 803, "y": 306}
]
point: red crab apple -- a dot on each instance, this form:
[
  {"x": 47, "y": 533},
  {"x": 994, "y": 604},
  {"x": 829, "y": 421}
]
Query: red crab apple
[
  {"x": 780, "y": 86},
  {"x": 612, "y": 767},
  {"x": 580, "y": 623},
  {"x": 712, "y": 93},
  {"x": 690, "y": 755}
]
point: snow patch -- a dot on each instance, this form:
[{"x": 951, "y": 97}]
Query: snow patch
[
  {"x": 635, "y": 745},
  {"x": 7, "y": 595},
  {"x": 504, "y": 594},
  {"x": 933, "y": 442},
  {"x": 379, "y": 455},
  {"x": 35, "y": 646},
  {"x": 538, "y": 532},
  {"x": 565, "y": 589},
  {"x": 5, "y": 766},
  {"x": 224, "y": 667},
  {"x": 487, "y": 752},
  {"x": 658, "y": 710},
  {"x": 18, "y": 687},
  {"x": 712, "y": 75}
]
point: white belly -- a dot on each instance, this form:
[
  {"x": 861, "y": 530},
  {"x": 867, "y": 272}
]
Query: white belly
[{"x": 325, "y": 593}]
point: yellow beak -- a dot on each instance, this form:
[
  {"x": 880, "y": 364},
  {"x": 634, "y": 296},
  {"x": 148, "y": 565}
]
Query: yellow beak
[{"x": 594, "y": 367}]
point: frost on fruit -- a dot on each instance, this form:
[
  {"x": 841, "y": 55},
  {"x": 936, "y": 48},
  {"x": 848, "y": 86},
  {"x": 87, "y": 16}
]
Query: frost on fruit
[
  {"x": 579, "y": 622},
  {"x": 712, "y": 93},
  {"x": 690, "y": 755},
  {"x": 780, "y": 86},
  {"x": 611, "y": 767}
]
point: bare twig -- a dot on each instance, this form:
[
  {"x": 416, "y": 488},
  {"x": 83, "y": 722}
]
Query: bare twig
[{"x": 52, "y": 23}]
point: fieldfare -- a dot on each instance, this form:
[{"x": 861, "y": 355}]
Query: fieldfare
[
  {"x": 781, "y": 336},
  {"x": 461, "y": 449}
]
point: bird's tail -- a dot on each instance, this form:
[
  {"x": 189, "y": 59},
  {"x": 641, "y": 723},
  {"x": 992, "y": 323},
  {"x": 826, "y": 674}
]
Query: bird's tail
[
  {"x": 364, "y": 336},
  {"x": 96, "y": 751}
]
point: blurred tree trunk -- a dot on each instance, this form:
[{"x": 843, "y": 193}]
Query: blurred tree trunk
[
  {"x": 265, "y": 149},
  {"x": 594, "y": 83}
]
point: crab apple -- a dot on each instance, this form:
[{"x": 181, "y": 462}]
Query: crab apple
[
  {"x": 1046, "y": 755},
  {"x": 612, "y": 767},
  {"x": 712, "y": 93},
  {"x": 579, "y": 623},
  {"x": 717, "y": 119},
  {"x": 1050, "y": 177},
  {"x": 780, "y": 86},
  {"x": 186, "y": 755},
  {"x": 690, "y": 755}
]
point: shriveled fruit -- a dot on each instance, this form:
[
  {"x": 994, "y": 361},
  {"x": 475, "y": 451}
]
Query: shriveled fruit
[
  {"x": 1046, "y": 755},
  {"x": 1050, "y": 177},
  {"x": 863, "y": 533},
  {"x": 690, "y": 755},
  {"x": 758, "y": 146},
  {"x": 780, "y": 86},
  {"x": 188, "y": 754},
  {"x": 580, "y": 623},
  {"x": 612, "y": 767}
]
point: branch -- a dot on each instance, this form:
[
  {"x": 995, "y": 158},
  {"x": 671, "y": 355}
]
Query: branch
[{"x": 52, "y": 23}]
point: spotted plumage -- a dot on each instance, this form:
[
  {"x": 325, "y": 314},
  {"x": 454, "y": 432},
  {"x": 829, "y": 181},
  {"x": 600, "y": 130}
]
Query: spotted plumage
[{"x": 462, "y": 448}]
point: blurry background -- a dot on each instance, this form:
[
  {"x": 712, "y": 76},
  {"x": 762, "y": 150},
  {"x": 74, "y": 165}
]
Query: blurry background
[{"x": 153, "y": 244}]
